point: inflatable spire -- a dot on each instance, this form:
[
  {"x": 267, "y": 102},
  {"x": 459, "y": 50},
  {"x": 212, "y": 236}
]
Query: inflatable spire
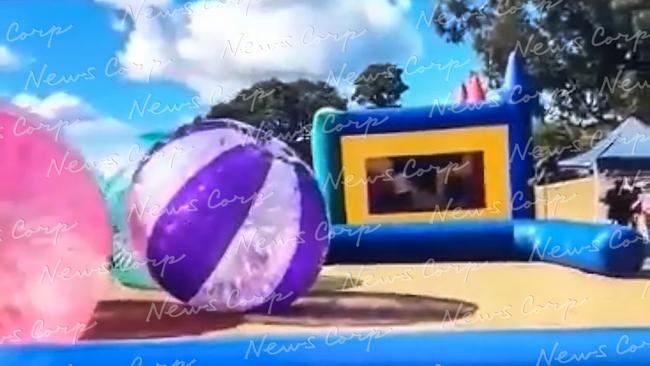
[
  {"x": 517, "y": 78},
  {"x": 475, "y": 91},
  {"x": 462, "y": 95}
]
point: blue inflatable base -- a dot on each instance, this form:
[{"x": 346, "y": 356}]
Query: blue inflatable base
[
  {"x": 629, "y": 347},
  {"x": 609, "y": 250}
]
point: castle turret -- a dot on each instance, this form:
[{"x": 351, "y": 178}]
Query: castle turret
[
  {"x": 517, "y": 84},
  {"x": 462, "y": 94},
  {"x": 475, "y": 91}
]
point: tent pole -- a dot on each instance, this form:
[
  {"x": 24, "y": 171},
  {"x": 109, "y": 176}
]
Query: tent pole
[
  {"x": 546, "y": 202},
  {"x": 596, "y": 191}
]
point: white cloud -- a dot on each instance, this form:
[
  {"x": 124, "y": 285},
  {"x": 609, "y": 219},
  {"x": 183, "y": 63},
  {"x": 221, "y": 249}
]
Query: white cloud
[
  {"x": 81, "y": 121},
  {"x": 104, "y": 141},
  {"x": 217, "y": 47},
  {"x": 56, "y": 106},
  {"x": 134, "y": 4},
  {"x": 119, "y": 25},
  {"x": 127, "y": 11},
  {"x": 8, "y": 59}
]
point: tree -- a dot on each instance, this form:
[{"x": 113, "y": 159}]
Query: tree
[
  {"x": 560, "y": 140},
  {"x": 380, "y": 85},
  {"x": 282, "y": 109},
  {"x": 638, "y": 15},
  {"x": 575, "y": 49}
]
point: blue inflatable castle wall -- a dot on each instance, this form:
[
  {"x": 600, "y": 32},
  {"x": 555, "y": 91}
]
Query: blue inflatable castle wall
[{"x": 365, "y": 158}]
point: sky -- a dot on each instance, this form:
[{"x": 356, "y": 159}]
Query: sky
[{"x": 102, "y": 72}]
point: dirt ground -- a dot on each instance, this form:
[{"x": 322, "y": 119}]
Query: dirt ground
[{"x": 381, "y": 299}]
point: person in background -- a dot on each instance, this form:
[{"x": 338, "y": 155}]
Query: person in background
[
  {"x": 388, "y": 190},
  {"x": 645, "y": 220},
  {"x": 424, "y": 193},
  {"x": 641, "y": 208},
  {"x": 635, "y": 206},
  {"x": 380, "y": 185},
  {"x": 618, "y": 203},
  {"x": 416, "y": 183}
]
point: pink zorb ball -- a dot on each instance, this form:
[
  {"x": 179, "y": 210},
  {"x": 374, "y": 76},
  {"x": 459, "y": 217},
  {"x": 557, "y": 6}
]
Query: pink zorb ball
[{"x": 54, "y": 236}]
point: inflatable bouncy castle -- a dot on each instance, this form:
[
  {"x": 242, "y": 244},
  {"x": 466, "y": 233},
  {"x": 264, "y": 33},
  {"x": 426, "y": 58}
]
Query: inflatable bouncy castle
[{"x": 468, "y": 168}]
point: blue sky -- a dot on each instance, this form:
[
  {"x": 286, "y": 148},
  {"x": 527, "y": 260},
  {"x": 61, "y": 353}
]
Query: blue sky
[
  {"x": 104, "y": 69},
  {"x": 87, "y": 47}
]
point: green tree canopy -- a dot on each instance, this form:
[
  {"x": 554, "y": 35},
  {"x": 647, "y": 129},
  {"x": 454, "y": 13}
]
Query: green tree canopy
[
  {"x": 379, "y": 85},
  {"x": 575, "y": 49},
  {"x": 282, "y": 109}
]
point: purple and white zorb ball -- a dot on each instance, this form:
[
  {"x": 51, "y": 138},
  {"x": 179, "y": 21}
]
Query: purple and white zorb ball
[{"x": 226, "y": 220}]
